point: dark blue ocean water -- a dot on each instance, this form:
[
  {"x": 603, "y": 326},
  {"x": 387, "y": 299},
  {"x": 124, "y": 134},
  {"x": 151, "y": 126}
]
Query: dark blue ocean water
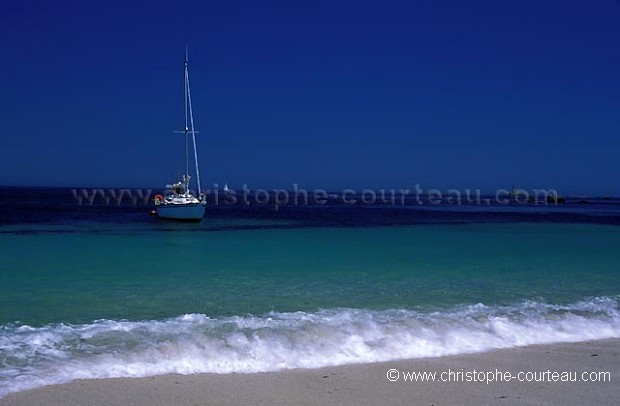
[{"x": 60, "y": 206}]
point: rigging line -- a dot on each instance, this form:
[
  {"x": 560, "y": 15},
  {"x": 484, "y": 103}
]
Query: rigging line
[{"x": 191, "y": 120}]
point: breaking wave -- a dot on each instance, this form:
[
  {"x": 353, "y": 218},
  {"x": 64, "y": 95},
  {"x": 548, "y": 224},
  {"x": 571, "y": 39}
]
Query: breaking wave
[{"x": 195, "y": 343}]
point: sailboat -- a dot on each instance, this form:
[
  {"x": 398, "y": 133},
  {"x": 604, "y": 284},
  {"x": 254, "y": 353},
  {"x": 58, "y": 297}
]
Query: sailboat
[{"x": 179, "y": 203}]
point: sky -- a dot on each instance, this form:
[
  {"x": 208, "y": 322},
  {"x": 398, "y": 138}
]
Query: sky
[{"x": 325, "y": 94}]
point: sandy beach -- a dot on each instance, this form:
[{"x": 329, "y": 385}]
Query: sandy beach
[{"x": 368, "y": 384}]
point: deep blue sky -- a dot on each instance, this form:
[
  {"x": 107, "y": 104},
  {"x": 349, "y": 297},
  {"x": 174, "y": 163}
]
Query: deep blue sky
[{"x": 330, "y": 94}]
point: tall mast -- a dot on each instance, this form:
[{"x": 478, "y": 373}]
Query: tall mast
[{"x": 186, "y": 90}]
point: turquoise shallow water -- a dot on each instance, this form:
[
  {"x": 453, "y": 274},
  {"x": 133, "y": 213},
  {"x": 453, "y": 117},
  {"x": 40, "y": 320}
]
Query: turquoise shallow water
[
  {"x": 125, "y": 295},
  {"x": 80, "y": 276}
]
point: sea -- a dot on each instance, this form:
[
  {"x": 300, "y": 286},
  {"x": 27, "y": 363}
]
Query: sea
[{"x": 107, "y": 290}]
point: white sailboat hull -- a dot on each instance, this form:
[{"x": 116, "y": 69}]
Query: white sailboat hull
[{"x": 183, "y": 212}]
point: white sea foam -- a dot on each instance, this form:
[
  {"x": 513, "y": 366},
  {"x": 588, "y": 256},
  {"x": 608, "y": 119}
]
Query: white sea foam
[{"x": 194, "y": 343}]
